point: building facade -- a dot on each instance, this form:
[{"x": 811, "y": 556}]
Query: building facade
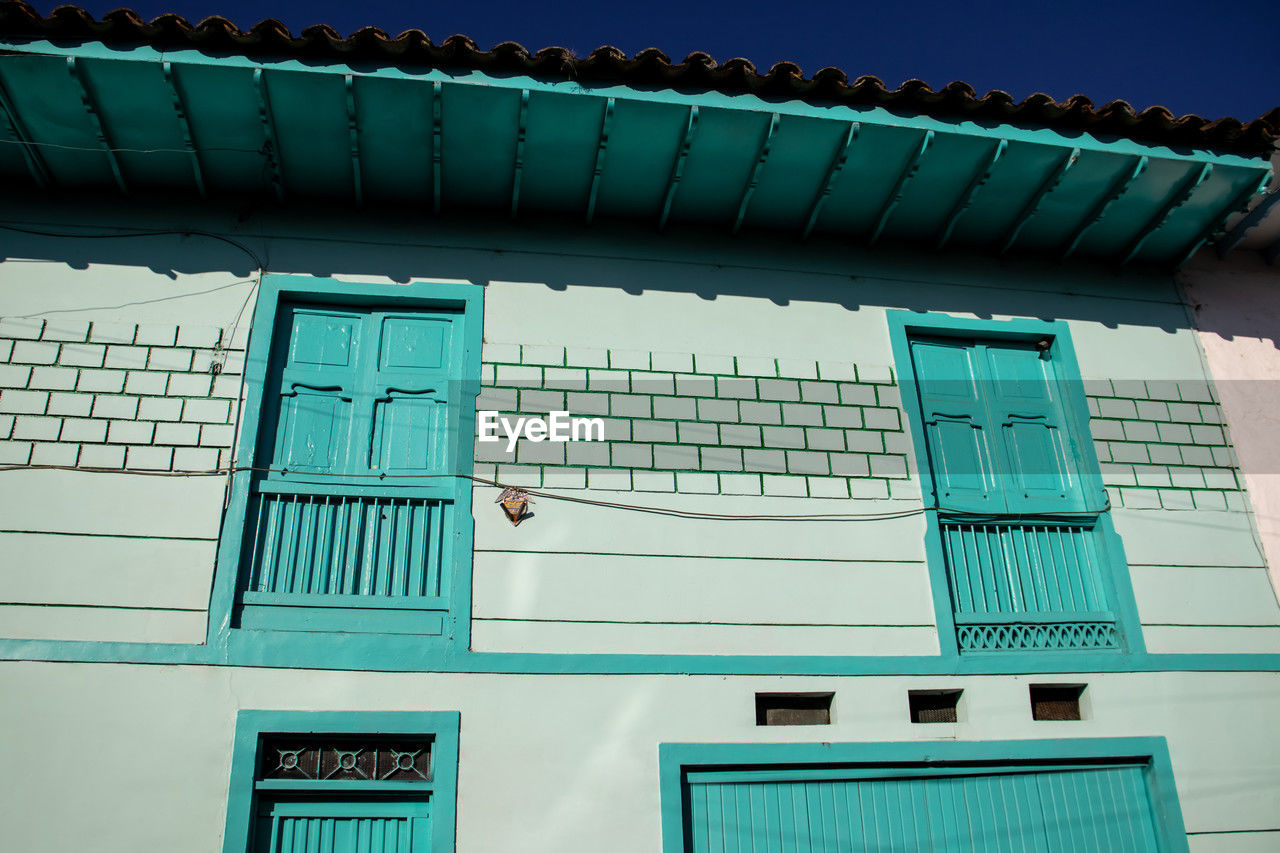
[{"x": 906, "y": 512}]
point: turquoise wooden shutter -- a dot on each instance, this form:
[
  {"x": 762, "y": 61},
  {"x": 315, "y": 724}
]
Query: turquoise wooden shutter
[
  {"x": 1023, "y": 397},
  {"x": 318, "y": 373},
  {"x": 1026, "y": 559},
  {"x": 410, "y": 393},
  {"x": 957, "y": 425},
  {"x": 351, "y": 529},
  {"x": 1089, "y": 810},
  {"x": 343, "y": 826}
]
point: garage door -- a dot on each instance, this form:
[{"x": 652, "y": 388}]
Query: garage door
[{"x": 1074, "y": 809}]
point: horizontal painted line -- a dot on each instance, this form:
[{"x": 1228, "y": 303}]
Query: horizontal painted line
[
  {"x": 696, "y": 556},
  {"x": 1176, "y": 566},
  {"x": 744, "y": 624},
  {"x": 1208, "y": 625},
  {"x": 102, "y": 606},
  {"x": 112, "y": 535},
  {"x": 320, "y": 656},
  {"x": 1228, "y": 831}
]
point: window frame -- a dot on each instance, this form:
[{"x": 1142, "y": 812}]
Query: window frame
[
  {"x": 902, "y": 325},
  {"x": 251, "y": 725},
  {"x": 275, "y": 292}
]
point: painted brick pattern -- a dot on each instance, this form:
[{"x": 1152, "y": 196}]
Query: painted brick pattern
[
  {"x": 117, "y": 395},
  {"x": 712, "y": 424},
  {"x": 1163, "y": 444}
]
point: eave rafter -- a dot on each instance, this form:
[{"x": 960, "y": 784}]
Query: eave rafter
[
  {"x": 1188, "y": 186},
  {"x": 836, "y": 166},
  {"x": 270, "y": 147},
  {"x": 36, "y": 165},
  {"x": 1032, "y": 207},
  {"x": 188, "y": 136},
  {"x": 980, "y": 177},
  {"x": 1118, "y": 188},
  {"x": 677, "y": 168},
  {"x": 1240, "y": 202},
  {"x": 762, "y": 154},
  {"x": 1236, "y": 235},
  {"x": 602, "y": 147},
  {"x": 900, "y": 186},
  {"x": 517, "y": 172},
  {"x": 95, "y": 117},
  {"x": 437, "y": 143},
  {"x": 353, "y": 134}
]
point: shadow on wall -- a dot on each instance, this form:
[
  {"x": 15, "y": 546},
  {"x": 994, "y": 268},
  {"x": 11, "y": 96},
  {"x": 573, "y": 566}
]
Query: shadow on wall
[
  {"x": 631, "y": 257},
  {"x": 1239, "y": 298}
]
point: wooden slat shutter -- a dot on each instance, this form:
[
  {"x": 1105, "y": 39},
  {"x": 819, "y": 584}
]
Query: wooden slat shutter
[
  {"x": 359, "y": 397},
  {"x": 957, "y": 425},
  {"x": 1087, "y": 810},
  {"x": 1040, "y": 471},
  {"x": 343, "y": 826},
  {"x": 319, "y": 374}
]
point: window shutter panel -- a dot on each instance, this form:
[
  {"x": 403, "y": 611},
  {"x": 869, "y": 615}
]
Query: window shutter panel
[
  {"x": 411, "y": 394},
  {"x": 956, "y": 424},
  {"x": 1040, "y": 473},
  {"x": 317, "y": 381}
]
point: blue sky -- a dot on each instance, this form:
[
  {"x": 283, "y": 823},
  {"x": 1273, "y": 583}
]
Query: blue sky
[{"x": 1213, "y": 59}]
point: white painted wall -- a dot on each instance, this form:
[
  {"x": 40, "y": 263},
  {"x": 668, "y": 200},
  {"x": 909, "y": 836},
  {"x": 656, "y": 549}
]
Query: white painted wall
[
  {"x": 555, "y": 763},
  {"x": 1236, "y": 304}
]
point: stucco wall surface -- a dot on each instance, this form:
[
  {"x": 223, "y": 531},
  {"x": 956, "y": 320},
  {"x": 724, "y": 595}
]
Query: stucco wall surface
[
  {"x": 125, "y": 556},
  {"x": 1237, "y": 310},
  {"x": 125, "y": 758}
]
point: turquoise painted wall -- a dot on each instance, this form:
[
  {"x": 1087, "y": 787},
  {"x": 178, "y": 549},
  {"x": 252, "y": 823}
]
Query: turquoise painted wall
[
  {"x": 577, "y": 578},
  {"x": 569, "y": 762},
  {"x": 126, "y": 558}
]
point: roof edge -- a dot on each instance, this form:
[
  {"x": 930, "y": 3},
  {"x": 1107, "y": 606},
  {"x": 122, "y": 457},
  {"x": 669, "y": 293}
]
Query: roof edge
[{"x": 649, "y": 67}]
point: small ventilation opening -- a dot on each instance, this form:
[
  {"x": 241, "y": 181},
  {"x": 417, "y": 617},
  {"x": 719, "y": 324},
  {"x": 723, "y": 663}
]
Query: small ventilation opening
[
  {"x": 934, "y": 706},
  {"x": 1056, "y": 701},
  {"x": 793, "y": 709}
]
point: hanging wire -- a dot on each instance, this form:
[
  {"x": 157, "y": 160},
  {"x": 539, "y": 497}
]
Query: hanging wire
[
  {"x": 180, "y": 232},
  {"x": 654, "y": 510}
]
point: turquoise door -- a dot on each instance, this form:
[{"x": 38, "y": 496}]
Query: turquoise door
[
  {"x": 342, "y": 826},
  {"x": 1084, "y": 810}
]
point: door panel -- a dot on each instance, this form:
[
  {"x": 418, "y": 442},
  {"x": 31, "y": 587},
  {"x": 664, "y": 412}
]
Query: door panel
[
  {"x": 343, "y": 827},
  {"x": 1091, "y": 810}
]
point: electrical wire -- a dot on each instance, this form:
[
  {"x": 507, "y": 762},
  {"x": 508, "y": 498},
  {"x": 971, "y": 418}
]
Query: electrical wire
[
  {"x": 975, "y": 518},
  {"x": 181, "y": 232},
  {"x": 101, "y": 148}
]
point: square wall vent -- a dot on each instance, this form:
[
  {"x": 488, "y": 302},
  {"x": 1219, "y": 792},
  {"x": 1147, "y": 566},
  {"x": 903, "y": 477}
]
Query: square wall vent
[
  {"x": 934, "y": 706},
  {"x": 1056, "y": 701},
  {"x": 793, "y": 709}
]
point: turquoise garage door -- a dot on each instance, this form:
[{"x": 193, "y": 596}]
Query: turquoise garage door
[{"x": 1078, "y": 809}]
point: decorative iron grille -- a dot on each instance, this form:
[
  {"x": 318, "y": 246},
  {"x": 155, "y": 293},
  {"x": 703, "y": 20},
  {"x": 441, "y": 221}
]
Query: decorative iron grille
[
  {"x": 1026, "y": 585},
  {"x": 338, "y": 758}
]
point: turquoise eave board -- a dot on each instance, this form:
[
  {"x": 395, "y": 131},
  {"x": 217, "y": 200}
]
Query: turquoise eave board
[{"x": 432, "y": 141}]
